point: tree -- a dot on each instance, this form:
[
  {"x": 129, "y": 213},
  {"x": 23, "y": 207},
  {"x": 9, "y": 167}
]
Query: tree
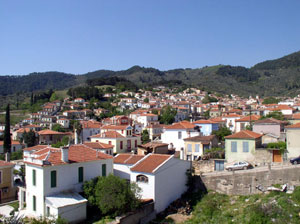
[
  {"x": 53, "y": 97},
  {"x": 222, "y": 132},
  {"x": 146, "y": 100},
  {"x": 167, "y": 115},
  {"x": 64, "y": 141},
  {"x": 145, "y": 136},
  {"x": 270, "y": 100},
  {"x": 112, "y": 195},
  {"x": 58, "y": 127},
  {"x": 7, "y": 138},
  {"x": 275, "y": 114},
  {"x": 29, "y": 138}
]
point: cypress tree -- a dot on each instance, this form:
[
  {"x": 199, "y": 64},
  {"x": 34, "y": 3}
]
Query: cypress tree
[
  {"x": 7, "y": 139},
  {"x": 31, "y": 99}
]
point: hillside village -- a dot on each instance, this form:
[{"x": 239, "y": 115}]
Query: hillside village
[{"x": 150, "y": 138}]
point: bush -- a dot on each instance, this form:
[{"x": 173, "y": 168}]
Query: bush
[{"x": 112, "y": 195}]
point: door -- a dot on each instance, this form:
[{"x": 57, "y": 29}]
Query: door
[
  {"x": 277, "y": 157},
  {"x": 128, "y": 144},
  {"x": 219, "y": 165}
]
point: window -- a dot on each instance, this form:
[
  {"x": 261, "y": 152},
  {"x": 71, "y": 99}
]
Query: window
[
  {"x": 80, "y": 174},
  {"x": 233, "y": 146},
  {"x": 189, "y": 147},
  {"x": 48, "y": 211},
  {"x": 197, "y": 147},
  {"x": 179, "y": 135},
  {"x": 245, "y": 146},
  {"x": 34, "y": 177},
  {"x": 103, "y": 170},
  {"x": 142, "y": 178},
  {"x": 121, "y": 145},
  {"x": 53, "y": 178},
  {"x": 135, "y": 143},
  {"x": 109, "y": 142},
  {"x": 128, "y": 144},
  {"x": 34, "y": 203}
]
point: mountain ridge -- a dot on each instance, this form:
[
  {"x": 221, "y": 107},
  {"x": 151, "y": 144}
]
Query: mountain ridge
[{"x": 278, "y": 77}]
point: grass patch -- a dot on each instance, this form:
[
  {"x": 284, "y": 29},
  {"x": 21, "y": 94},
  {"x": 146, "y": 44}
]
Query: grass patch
[
  {"x": 275, "y": 207},
  {"x": 15, "y": 205}
]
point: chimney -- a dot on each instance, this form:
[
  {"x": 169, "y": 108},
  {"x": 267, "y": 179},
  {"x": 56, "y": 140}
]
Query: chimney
[
  {"x": 65, "y": 153},
  {"x": 7, "y": 157},
  {"x": 76, "y": 137},
  {"x": 181, "y": 153}
]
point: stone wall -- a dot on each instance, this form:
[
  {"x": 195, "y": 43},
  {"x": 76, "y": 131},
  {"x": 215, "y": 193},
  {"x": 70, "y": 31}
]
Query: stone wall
[
  {"x": 246, "y": 182},
  {"x": 140, "y": 216},
  {"x": 203, "y": 166}
]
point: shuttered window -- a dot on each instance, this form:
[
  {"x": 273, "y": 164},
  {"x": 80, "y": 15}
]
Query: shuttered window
[
  {"x": 245, "y": 146},
  {"x": 34, "y": 177},
  {"x": 233, "y": 146},
  {"x": 34, "y": 203},
  {"x": 80, "y": 174},
  {"x": 189, "y": 147},
  {"x": 103, "y": 170},
  {"x": 53, "y": 178},
  {"x": 197, "y": 147}
]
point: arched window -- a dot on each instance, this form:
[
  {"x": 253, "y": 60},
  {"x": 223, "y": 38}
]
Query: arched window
[{"x": 142, "y": 178}]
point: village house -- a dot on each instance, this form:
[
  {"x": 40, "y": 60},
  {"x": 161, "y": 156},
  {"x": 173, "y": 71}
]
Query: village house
[
  {"x": 153, "y": 147},
  {"x": 15, "y": 146},
  {"x": 175, "y": 133},
  {"x": 207, "y": 126},
  {"x": 196, "y": 146},
  {"x": 64, "y": 122},
  {"x": 245, "y": 122},
  {"x": 155, "y": 131},
  {"x": 89, "y": 128},
  {"x": 120, "y": 136},
  {"x": 49, "y": 137},
  {"x": 274, "y": 129},
  {"x": 293, "y": 140},
  {"x": 54, "y": 179},
  {"x": 246, "y": 146},
  {"x": 7, "y": 190}
]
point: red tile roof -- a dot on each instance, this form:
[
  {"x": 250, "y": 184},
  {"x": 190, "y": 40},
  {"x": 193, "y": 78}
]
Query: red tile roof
[
  {"x": 297, "y": 125},
  {"x": 247, "y": 118},
  {"x": 91, "y": 124},
  {"x": 4, "y": 163},
  {"x": 76, "y": 154},
  {"x": 36, "y": 148},
  {"x": 108, "y": 134},
  {"x": 98, "y": 145},
  {"x": 150, "y": 163},
  {"x": 127, "y": 158},
  {"x": 181, "y": 125},
  {"x": 204, "y": 122},
  {"x": 245, "y": 134},
  {"x": 12, "y": 143},
  {"x": 50, "y": 132},
  {"x": 115, "y": 127}
]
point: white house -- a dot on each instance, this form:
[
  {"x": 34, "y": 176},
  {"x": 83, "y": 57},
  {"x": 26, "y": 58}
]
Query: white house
[
  {"x": 175, "y": 133},
  {"x": 90, "y": 128},
  {"x": 161, "y": 178},
  {"x": 54, "y": 177},
  {"x": 147, "y": 119},
  {"x": 65, "y": 123}
]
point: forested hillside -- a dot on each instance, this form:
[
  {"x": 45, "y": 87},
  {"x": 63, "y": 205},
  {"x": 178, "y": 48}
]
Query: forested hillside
[{"x": 280, "y": 77}]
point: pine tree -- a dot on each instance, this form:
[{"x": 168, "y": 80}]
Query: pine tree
[
  {"x": 31, "y": 99},
  {"x": 7, "y": 139}
]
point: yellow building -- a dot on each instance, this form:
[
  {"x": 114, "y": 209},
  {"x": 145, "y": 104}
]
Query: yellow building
[{"x": 7, "y": 189}]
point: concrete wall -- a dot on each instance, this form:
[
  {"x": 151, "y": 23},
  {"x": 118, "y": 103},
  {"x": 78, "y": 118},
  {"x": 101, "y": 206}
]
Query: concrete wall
[
  {"x": 204, "y": 166},
  {"x": 263, "y": 128},
  {"x": 245, "y": 183},
  {"x": 293, "y": 142}
]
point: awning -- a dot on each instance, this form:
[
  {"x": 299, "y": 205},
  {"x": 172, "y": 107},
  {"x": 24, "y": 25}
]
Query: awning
[{"x": 64, "y": 199}]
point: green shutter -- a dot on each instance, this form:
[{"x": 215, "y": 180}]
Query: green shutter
[
  {"x": 33, "y": 177},
  {"x": 53, "y": 178},
  {"x": 34, "y": 203},
  {"x": 80, "y": 174},
  {"x": 103, "y": 170}
]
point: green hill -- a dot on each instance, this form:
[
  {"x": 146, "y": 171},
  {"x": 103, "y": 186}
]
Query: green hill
[{"x": 280, "y": 77}]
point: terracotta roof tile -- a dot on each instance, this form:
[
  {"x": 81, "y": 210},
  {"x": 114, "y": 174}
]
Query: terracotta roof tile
[
  {"x": 108, "y": 134},
  {"x": 36, "y": 148},
  {"x": 201, "y": 138},
  {"x": 204, "y": 122},
  {"x": 4, "y": 163},
  {"x": 268, "y": 121},
  {"x": 127, "y": 158},
  {"x": 98, "y": 145},
  {"x": 181, "y": 125},
  {"x": 245, "y": 134},
  {"x": 50, "y": 132},
  {"x": 297, "y": 125},
  {"x": 247, "y": 118},
  {"x": 150, "y": 163}
]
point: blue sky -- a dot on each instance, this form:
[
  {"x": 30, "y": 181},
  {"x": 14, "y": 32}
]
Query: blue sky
[{"x": 79, "y": 36}]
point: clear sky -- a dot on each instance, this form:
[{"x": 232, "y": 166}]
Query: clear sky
[{"x": 79, "y": 36}]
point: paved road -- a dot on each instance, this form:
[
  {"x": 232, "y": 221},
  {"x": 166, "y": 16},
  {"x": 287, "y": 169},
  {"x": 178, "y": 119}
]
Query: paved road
[{"x": 256, "y": 169}]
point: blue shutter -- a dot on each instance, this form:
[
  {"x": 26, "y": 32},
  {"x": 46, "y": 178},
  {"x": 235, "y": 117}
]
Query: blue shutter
[
  {"x": 189, "y": 147},
  {"x": 53, "y": 178},
  {"x": 233, "y": 146},
  {"x": 197, "y": 147},
  {"x": 245, "y": 146}
]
